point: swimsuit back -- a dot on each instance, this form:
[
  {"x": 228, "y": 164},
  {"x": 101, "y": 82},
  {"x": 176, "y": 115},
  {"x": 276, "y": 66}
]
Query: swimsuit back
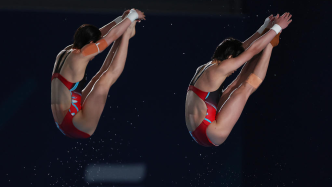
[
  {"x": 211, "y": 100},
  {"x": 209, "y": 97},
  {"x": 67, "y": 127},
  {"x": 72, "y": 87}
]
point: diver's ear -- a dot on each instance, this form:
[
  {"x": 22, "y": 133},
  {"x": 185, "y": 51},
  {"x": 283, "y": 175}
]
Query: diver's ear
[{"x": 230, "y": 56}]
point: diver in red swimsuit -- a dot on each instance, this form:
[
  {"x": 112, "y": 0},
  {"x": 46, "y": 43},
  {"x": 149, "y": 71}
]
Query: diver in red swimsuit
[
  {"x": 76, "y": 109},
  {"x": 212, "y": 112}
]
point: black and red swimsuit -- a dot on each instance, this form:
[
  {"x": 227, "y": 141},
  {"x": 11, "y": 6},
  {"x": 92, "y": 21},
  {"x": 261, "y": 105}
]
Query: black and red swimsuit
[
  {"x": 67, "y": 127},
  {"x": 211, "y": 100}
]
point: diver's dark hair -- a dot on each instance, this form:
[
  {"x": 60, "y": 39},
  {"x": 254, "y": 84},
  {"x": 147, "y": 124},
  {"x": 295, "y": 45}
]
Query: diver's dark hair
[
  {"x": 229, "y": 46},
  {"x": 85, "y": 34}
]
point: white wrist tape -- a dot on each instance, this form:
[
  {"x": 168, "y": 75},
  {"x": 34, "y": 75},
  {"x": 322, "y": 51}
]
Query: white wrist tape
[
  {"x": 261, "y": 29},
  {"x": 118, "y": 20},
  {"x": 132, "y": 15},
  {"x": 276, "y": 28},
  {"x": 266, "y": 23}
]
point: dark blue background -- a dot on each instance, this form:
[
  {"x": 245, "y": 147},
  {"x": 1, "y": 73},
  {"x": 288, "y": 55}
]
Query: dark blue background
[{"x": 282, "y": 138}]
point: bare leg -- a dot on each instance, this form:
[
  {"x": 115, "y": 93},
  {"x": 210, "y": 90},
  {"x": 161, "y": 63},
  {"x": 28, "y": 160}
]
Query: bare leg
[
  {"x": 105, "y": 65},
  {"x": 103, "y": 68},
  {"x": 246, "y": 70},
  {"x": 87, "y": 119},
  {"x": 230, "y": 111}
]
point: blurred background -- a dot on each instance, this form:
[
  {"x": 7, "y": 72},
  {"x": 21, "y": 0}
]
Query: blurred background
[{"x": 282, "y": 138}]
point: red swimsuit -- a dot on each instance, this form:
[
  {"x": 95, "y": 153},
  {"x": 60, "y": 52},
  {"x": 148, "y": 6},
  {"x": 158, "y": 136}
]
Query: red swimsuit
[
  {"x": 67, "y": 127},
  {"x": 211, "y": 100}
]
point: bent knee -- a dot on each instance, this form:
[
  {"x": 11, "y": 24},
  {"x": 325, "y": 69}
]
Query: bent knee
[
  {"x": 87, "y": 128},
  {"x": 91, "y": 131},
  {"x": 107, "y": 79},
  {"x": 83, "y": 122},
  {"x": 101, "y": 88},
  {"x": 218, "y": 138},
  {"x": 244, "y": 90}
]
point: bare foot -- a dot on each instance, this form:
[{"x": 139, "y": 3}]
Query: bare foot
[{"x": 131, "y": 29}]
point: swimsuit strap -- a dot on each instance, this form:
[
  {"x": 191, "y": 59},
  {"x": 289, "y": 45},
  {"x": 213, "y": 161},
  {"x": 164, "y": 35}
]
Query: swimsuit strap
[
  {"x": 58, "y": 64},
  {"x": 201, "y": 94},
  {"x": 64, "y": 81},
  {"x": 57, "y": 74},
  {"x": 198, "y": 92},
  {"x": 197, "y": 76},
  {"x": 63, "y": 61}
]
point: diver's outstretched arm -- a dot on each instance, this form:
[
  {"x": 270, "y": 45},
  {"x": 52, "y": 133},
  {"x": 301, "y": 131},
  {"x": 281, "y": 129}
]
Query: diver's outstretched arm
[
  {"x": 92, "y": 49},
  {"x": 109, "y": 60},
  {"x": 232, "y": 64},
  {"x": 120, "y": 28},
  {"x": 103, "y": 68},
  {"x": 104, "y": 30},
  {"x": 258, "y": 33}
]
